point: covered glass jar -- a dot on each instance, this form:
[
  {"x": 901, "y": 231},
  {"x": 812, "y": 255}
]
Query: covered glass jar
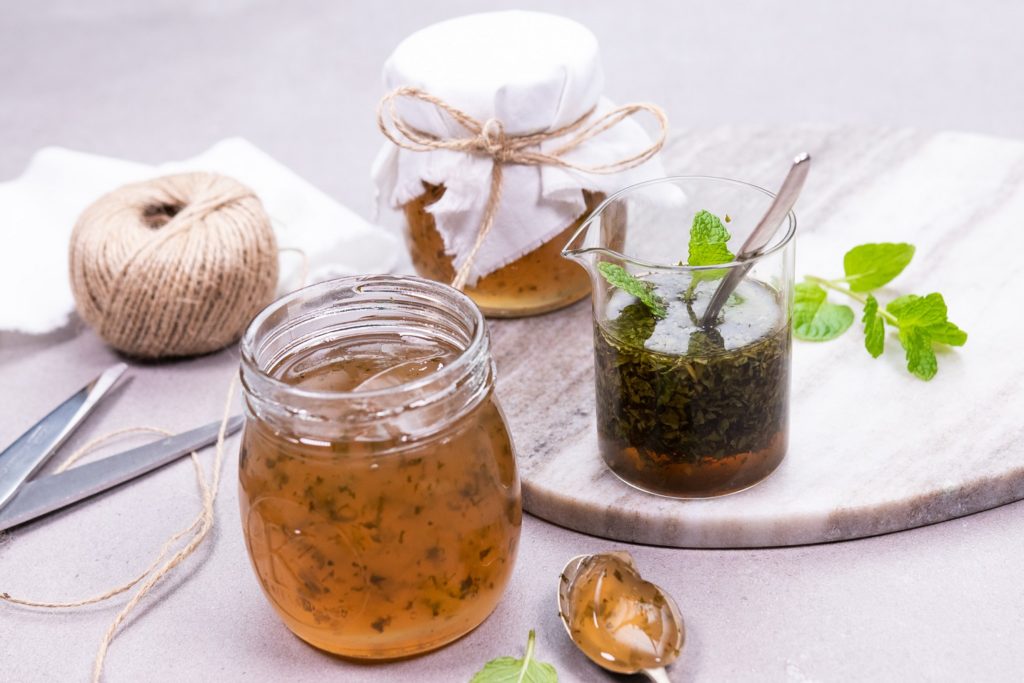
[{"x": 499, "y": 144}]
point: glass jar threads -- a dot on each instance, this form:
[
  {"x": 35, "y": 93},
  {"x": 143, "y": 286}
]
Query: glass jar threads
[{"x": 379, "y": 495}]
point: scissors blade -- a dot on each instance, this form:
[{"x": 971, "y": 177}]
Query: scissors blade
[
  {"x": 21, "y": 459},
  {"x": 46, "y": 494}
]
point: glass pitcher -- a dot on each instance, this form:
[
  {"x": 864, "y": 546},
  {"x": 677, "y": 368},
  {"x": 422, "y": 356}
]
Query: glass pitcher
[{"x": 683, "y": 409}]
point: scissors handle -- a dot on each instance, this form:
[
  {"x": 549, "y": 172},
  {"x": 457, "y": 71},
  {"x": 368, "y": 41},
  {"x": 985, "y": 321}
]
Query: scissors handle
[{"x": 26, "y": 455}]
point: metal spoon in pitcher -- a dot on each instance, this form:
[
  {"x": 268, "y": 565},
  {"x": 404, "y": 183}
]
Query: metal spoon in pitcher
[
  {"x": 621, "y": 622},
  {"x": 761, "y": 235}
]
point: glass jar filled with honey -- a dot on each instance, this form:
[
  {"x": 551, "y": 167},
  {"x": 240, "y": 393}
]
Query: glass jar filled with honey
[{"x": 379, "y": 495}]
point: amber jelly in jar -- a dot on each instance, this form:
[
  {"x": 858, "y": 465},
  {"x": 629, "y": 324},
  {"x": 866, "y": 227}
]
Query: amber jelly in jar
[
  {"x": 537, "y": 282},
  {"x": 379, "y": 495}
]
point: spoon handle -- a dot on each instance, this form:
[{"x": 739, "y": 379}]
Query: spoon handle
[
  {"x": 658, "y": 675},
  {"x": 761, "y": 235}
]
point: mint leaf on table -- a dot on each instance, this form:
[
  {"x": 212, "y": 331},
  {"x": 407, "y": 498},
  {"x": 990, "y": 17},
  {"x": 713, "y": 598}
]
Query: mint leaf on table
[
  {"x": 512, "y": 670},
  {"x": 930, "y": 314},
  {"x": 814, "y": 318},
  {"x": 617, "y": 276},
  {"x": 921, "y": 359},
  {"x": 874, "y": 328},
  {"x": 923, "y": 320},
  {"x": 947, "y": 333},
  {"x": 920, "y": 321},
  {"x": 869, "y": 266},
  {"x": 709, "y": 245}
]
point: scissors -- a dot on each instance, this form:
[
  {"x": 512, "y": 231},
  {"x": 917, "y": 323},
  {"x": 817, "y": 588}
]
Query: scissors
[{"x": 22, "y": 500}]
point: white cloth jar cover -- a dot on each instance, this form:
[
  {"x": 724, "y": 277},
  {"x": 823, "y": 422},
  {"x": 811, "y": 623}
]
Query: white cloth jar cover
[{"x": 533, "y": 72}]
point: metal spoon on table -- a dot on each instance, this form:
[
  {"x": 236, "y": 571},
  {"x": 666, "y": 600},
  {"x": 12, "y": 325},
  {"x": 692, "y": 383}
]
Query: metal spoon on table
[
  {"x": 761, "y": 235},
  {"x": 619, "y": 621}
]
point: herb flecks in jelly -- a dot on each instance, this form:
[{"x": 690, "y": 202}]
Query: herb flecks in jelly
[{"x": 388, "y": 545}]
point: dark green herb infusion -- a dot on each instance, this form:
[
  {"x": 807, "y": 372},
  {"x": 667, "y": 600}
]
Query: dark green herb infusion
[{"x": 683, "y": 410}]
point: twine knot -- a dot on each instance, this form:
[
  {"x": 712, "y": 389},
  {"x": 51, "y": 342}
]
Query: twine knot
[
  {"x": 493, "y": 141},
  {"x": 490, "y": 139}
]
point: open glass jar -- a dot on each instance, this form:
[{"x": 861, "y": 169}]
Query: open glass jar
[
  {"x": 379, "y": 494},
  {"x": 684, "y": 409}
]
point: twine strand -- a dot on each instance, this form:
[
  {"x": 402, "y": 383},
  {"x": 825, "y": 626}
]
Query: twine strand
[
  {"x": 164, "y": 549},
  {"x": 150, "y": 576},
  {"x": 206, "y": 520},
  {"x": 489, "y": 139}
]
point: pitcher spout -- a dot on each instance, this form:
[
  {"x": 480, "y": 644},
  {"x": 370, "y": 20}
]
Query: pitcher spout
[{"x": 590, "y": 244}]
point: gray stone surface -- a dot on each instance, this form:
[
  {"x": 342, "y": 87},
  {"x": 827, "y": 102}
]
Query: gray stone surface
[{"x": 160, "y": 80}]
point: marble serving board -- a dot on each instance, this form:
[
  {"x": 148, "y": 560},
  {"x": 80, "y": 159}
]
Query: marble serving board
[{"x": 872, "y": 449}]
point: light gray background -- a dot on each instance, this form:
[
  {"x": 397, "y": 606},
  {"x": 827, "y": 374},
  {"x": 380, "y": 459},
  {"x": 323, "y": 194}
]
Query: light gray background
[{"x": 163, "y": 80}]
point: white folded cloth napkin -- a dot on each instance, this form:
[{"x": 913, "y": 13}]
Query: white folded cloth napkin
[{"x": 38, "y": 211}]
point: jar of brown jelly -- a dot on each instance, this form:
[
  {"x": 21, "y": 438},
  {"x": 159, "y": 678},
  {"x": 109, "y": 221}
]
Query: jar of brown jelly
[
  {"x": 537, "y": 282},
  {"x": 379, "y": 496}
]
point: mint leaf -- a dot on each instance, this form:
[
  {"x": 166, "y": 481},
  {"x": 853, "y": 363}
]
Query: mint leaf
[
  {"x": 617, "y": 276},
  {"x": 815, "y": 319},
  {"x": 923, "y": 321},
  {"x": 869, "y": 266},
  {"x": 874, "y": 328},
  {"x": 512, "y": 670},
  {"x": 920, "y": 356},
  {"x": 918, "y": 311},
  {"x": 929, "y": 314},
  {"x": 709, "y": 245},
  {"x": 708, "y": 241},
  {"x": 947, "y": 333}
]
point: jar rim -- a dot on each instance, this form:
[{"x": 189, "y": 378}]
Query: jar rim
[
  {"x": 429, "y": 290},
  {"x": 774, "y": 246}
]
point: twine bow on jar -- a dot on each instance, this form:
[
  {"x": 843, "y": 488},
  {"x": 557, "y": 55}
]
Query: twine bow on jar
[{"x": 489, "y": 139}]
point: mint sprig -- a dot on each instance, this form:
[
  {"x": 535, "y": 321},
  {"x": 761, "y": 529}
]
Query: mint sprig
[
  {"x": 617, "y": 276},
  {"x": 920, "y": 321},
  {"x": 512, "y": 670}
]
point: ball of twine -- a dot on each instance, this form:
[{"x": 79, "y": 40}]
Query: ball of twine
[{"x": 175, "y": 266}]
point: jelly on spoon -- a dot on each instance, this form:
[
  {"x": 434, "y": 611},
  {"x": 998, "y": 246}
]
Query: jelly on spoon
[{"x": 620, "y": 621}]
